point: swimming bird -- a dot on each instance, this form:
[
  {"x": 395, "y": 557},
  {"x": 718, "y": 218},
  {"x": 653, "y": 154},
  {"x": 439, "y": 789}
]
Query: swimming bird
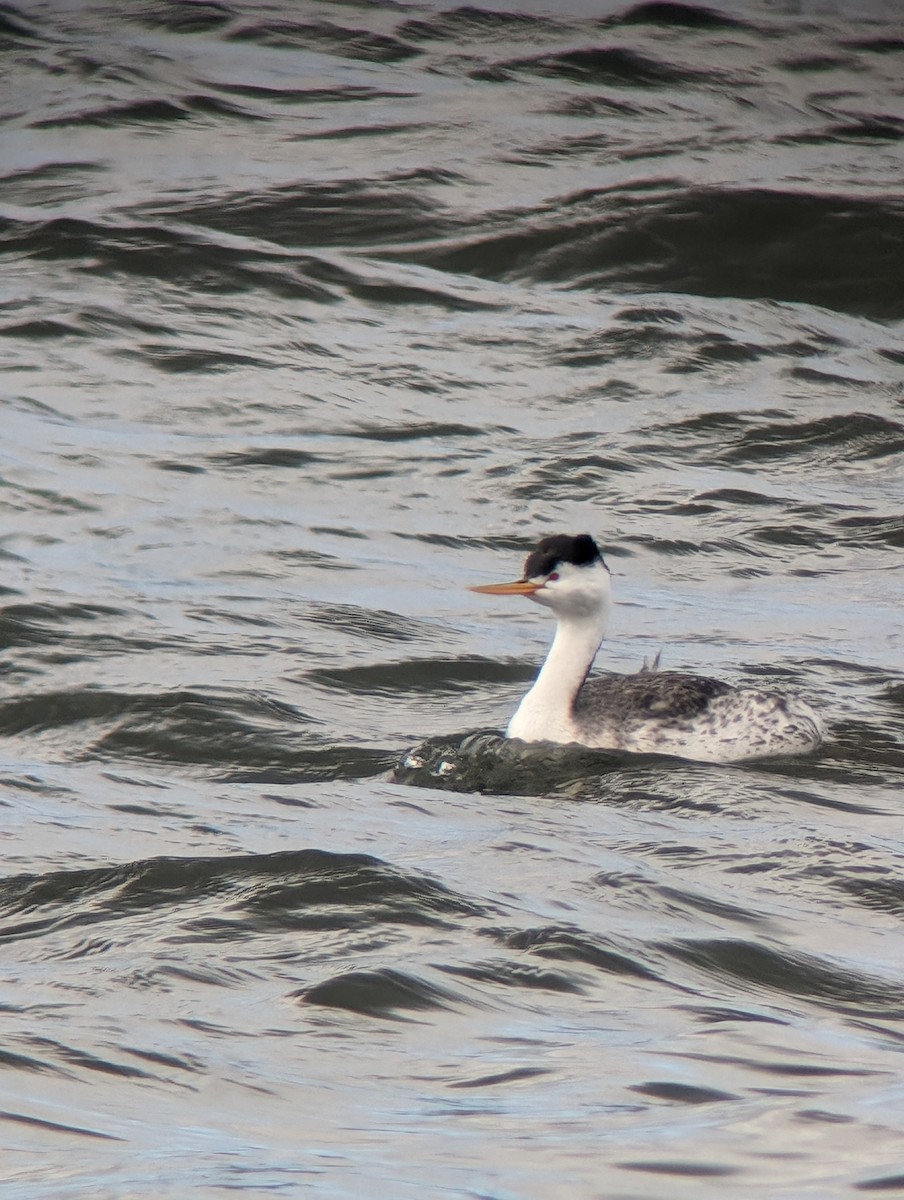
[{"x": 651, "y": 712}]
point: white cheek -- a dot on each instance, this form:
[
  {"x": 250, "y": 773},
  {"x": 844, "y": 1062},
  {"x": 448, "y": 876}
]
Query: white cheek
[{"x": 542, "y": 597}]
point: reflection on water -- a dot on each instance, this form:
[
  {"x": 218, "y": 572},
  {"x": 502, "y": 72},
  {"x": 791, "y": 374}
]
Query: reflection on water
[{"x": 309, "y": 318}]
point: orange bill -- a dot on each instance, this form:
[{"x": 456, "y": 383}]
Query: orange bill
[{"x": 520, "y": 587}]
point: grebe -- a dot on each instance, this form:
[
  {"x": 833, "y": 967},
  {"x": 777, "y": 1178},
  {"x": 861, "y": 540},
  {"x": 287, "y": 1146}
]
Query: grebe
[{"x": 652, "y": 712}]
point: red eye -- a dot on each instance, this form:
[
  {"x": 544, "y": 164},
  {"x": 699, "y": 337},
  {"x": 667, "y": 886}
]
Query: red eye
[{"x": 553, "y": 575}]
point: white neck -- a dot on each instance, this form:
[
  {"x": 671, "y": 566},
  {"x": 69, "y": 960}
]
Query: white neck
[{"x": 545, "y": 713}]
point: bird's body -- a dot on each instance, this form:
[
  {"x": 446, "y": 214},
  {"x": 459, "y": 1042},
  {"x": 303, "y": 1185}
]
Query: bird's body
[{"x": 652, "y": 712}]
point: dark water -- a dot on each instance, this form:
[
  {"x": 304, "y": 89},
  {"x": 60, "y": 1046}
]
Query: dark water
[{"x": 313, "y": 314}]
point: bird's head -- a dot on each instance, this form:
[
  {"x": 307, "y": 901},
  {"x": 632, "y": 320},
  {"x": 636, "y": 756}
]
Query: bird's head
[{"x": 565, "y": 573}]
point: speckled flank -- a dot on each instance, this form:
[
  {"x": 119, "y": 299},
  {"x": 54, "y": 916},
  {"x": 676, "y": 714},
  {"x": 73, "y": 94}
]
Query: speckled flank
[{"x": 693, "y": 717}]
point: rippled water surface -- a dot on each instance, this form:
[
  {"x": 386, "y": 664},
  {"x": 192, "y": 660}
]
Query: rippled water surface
[{"x": 312, "y": 315}]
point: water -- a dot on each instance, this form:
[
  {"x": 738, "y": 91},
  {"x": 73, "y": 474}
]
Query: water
[{"x": 311, "y": 316}]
